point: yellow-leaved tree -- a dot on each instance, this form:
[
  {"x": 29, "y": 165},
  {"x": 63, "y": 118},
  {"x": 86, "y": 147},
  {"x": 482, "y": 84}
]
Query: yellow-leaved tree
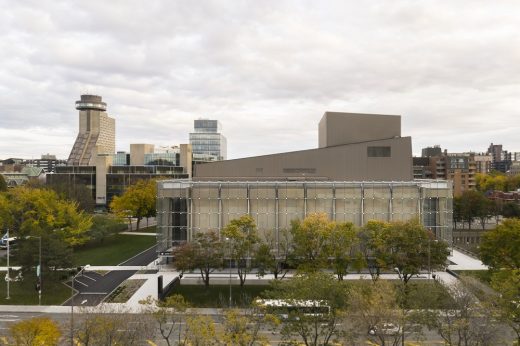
[
  {"x": 137, "y": 201},
  {"x": 39, "y": 331}
]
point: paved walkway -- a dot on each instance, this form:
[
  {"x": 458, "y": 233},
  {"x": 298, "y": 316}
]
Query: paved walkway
[
  {"x": 462, "y": 261},
  {"x": 140, "y": 233}
]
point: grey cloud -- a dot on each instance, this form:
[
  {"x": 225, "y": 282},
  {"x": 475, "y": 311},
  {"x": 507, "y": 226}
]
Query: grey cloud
[{"x": 267, "y": 70}]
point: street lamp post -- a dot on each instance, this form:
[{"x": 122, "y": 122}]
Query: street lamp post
[
  {"x": 230, "y": 301},
  {"x": 7, "y": 277},
  {"x": 40, "y": 271}
]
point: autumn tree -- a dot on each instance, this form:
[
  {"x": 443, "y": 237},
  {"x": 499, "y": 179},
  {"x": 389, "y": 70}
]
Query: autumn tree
[
  {"x": 274, "y": 256},
  {"x": 200, "y": 331},
  {"x": 373, "y": 306},
  {"x": 319, "y": 289},
  {"x": 243, "y": 238},
  {"x": 39, "y": 213},
  {"x": 38, "y": 331},
  {"x": 468, "y": 322},
  {"x": 310, "y": 238},
  {"x": 497, "y": 181},
  {"x": 204, "y": 253},
  {"x": 137, "y": 201},
  {"x": 242, "y": 327},
  {"x": 169, "y": 315},
  {"x": 105, "y": 325},
  {"x": 499, "y": 247}
]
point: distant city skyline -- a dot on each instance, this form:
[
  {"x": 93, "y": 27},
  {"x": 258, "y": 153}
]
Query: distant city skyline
[{"x": 267, "y": 71}]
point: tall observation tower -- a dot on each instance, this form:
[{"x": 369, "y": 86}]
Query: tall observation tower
[{"x": 96, "y": 132}]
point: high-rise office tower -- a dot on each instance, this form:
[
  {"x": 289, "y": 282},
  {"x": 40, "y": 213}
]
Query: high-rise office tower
[
  {"x": 208, "y": 144},
  {"x": 96, "y": 132}
]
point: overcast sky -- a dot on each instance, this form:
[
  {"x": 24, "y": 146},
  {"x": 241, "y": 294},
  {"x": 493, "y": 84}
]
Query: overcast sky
[{"x": 268, "y": 70}]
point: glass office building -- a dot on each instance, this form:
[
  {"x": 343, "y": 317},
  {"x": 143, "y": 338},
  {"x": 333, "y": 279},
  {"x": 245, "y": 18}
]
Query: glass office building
[
  {"x": 208, "y": 144},
  {"x": 186, "y": 207}
]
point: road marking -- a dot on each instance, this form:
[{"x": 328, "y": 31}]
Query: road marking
[
  {"x": 79, "y": 282},
  {"x": 8, "y": 316},
  {"x": 9, "y": 320},
  {"x": 88, "y": 277}
]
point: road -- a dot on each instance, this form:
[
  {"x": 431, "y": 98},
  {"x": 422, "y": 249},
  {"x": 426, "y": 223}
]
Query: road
[
  {"x": 93, "y": 287},
  {"x": 6, "y": 319}
]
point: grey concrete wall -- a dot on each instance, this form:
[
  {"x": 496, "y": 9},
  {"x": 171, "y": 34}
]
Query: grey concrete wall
[
  {"x": 346, "y": 128},
  {"x": 345, "y": 162}
]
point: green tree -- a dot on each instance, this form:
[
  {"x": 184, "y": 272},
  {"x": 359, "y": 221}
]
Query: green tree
[
  {"x": 168, "y": 315},
  {"x": 310, "y": 238},
  {"x": 411, "y": 248},
  {"x": 242, "y": 237},
  {"x": 104, "y": 226},
  {"x": 474, "y": 205},
  {"x": 204, "y": 253},
  {"x": 511, "y": 209},
  {"x": 38, "y": 331},
  {"x": 275, "y": 256},
  {"x": 499, "y": 247},
  {"x": 3, "y": 184},
  {"x": 341, "y": 249},
  {"x": 457, "y": 211},
  {"x": 507, "y": 301},
  {"x": 374, "y": 247},
  {"x": 317, "y": 288},
  {"x": 79, "y": 193},
  {"x": 137, "y": 201}
]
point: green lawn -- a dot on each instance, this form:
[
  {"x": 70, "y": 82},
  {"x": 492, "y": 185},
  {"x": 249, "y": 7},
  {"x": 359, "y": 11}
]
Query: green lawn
[
  {"x": 482, "y": 275},
  {"x": 217, "y": 296},
  {"x": 113, "y": 250},
  {"x": 151, "y": 229},
  {"x": 426, "y": 294},
  {"x": 421, "y": 294},
  {"x": 54, "y": 292}
]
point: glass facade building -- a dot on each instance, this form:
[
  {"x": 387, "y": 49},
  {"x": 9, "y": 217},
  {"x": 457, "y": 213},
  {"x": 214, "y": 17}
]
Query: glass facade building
[
  {"x": 208, "y": 144},
  {"x": 186, "y": 207}
]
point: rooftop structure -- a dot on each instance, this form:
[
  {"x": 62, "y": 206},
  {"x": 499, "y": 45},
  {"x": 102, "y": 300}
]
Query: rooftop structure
[
  {"x": 352, "y": 147},
  {"x": 96, "y": 132}
]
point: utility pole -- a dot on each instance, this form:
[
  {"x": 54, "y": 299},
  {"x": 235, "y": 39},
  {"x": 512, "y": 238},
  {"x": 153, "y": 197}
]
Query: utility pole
[
  {"x": 40, "y": 271},
  {"x": 7, "y": 277}
]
